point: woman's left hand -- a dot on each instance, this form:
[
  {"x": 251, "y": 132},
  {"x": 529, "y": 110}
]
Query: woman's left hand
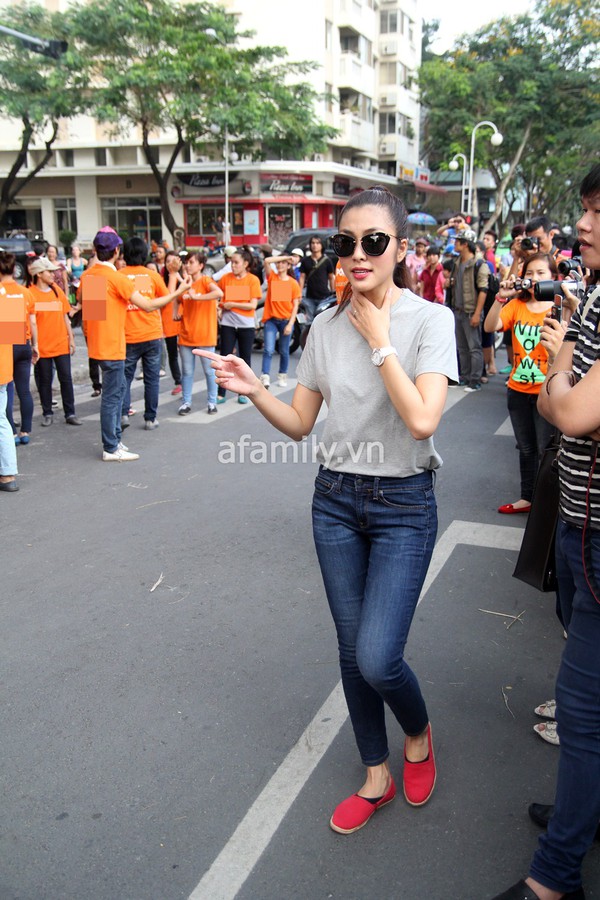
[
  {"x": 371, "y": 322},
  {"x": 287, "y": 330},
  {"x": 551, "y": 337}
]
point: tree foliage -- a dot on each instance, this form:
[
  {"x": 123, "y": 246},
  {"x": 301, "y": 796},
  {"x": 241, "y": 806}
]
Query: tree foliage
[
  {"x": 152, "y": 66},
  {"x": 35, "y": 91},
  {"x": 536, "y": 77}
]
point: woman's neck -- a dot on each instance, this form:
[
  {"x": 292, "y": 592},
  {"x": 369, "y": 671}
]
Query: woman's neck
[{"x": 377, "y": 296}]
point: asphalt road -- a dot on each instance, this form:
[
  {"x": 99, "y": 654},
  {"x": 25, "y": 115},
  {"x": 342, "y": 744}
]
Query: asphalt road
[{"x": 188, "y": 738}]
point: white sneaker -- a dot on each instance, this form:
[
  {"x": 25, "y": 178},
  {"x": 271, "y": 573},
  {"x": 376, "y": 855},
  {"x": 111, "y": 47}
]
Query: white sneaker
[
  {"x": 264, "y": 379},
  {"x": 119, "y": 456},
  {"x": 122, "y": 446},
  {"x": 282, "y": 380}
]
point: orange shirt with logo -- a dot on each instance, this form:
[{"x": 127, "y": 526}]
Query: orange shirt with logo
[
  {"x": 340, "y": 282},
  {"x": 106, "y": 338},
  {"x": 10, "y": 290},
  {"x": 281, "y": 296},
  {"x": 141, "y": 325},
  {"x": 199, "y": 320},
  {"x": 242, "y": 289},
  {"x": 50, "y": 311},
  {"x": 6, "y": 363}
]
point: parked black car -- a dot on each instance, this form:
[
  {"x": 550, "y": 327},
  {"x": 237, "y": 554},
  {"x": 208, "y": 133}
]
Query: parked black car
[
  {"x": 23, "y": 250},
  {"x": 301, "y": 239}
]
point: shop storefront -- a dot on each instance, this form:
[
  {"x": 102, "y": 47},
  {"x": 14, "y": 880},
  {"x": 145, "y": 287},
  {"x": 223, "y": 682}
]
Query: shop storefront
[{"x": 264, "y": 207}]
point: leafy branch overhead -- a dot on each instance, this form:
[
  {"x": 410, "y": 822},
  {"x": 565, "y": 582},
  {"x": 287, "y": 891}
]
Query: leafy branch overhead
[{"x": 536, "y": 77}]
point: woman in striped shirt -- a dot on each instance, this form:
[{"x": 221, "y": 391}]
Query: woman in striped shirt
[{"x": 570, "y": 398}]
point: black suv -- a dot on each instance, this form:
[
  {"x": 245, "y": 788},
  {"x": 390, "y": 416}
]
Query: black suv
[
  {"x": 24, "y": 250},
  {"x": 301, "y": 240}
]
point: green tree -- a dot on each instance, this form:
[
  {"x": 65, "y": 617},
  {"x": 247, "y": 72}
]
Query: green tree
[
  {"x": 36, "y": 91},
  {"x": 153, "y": 66},
  {"x": 536, "y": 77}
]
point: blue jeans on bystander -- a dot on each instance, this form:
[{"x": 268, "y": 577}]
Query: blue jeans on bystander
[
  {"x": 273, "y": 328},
  {"x": 111, "y": 404}
]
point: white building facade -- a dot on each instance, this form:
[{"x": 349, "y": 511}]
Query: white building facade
[{"x": 367, "y": 53}]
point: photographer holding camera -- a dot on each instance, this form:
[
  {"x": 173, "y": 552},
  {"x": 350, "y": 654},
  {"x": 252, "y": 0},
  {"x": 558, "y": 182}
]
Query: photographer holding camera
[
  {"x": 537, "y": 239},
  {"x": 455, "y": 225}
]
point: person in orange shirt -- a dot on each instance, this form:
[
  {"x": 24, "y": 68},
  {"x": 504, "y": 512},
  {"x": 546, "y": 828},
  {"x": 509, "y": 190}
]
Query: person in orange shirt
[
  {"x": 198, "y": 330},
  {"x": 9, "y": 291},
  {"x": 340, "y": 282},
  {"x": 173, "y": 276},
  {"x": 242, "y": 291},
  {"x": 55, "y": 340},
  {"x": 279, "y": 315},
  {"x": 23, "y": 352},
  {"x": 525, "y": 315},
  {"x": 143, "y": 332},
  {"x": 105, "y": 294}
]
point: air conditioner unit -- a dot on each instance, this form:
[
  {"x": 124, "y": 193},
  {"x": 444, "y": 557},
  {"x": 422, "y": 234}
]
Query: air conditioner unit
[
  {"x": 346, "y": 161},
  {"x": 359, "y": 165},
  {"x": 318, "y": 157},
  {"x": 201, "y": 159},
  {"x": 388, "y": 49},
  {"x": 385, "y": 148}
]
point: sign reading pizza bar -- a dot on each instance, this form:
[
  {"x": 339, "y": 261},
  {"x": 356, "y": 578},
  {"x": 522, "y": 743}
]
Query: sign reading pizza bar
[{"x": 286, "y": 183}]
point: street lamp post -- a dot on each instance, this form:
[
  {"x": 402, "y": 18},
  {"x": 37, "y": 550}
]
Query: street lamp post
[
  {"x": 210, "y": 32},
  {"x": 496, "y": 139},
  {"x": 453, "y": 166}
]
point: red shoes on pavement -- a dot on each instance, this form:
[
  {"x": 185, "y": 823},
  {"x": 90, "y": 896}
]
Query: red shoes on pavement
[
  {"x": 355, "y": 811},
  {"x": 419, "y": 777},
  {"x": 419, "y": 781},
  {"x": 510, "y": 509}
]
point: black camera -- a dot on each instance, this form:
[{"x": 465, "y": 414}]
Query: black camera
[
  {"x": 548, "y": 290},
  {"x": 523, "y": 284},
  {"x": 566, "y": 266},
  {"x": 529, "y": 243}
]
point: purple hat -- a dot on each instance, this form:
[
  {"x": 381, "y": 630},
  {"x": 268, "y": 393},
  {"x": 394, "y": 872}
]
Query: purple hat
[{"x": 107, "y": 239}]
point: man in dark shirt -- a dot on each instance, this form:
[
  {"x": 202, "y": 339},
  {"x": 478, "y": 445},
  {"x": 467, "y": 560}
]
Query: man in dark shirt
[{"x": 317, "y": 276}]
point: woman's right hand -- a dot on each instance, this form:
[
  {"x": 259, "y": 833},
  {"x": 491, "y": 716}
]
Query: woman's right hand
[{"x": 231, "y": 372}]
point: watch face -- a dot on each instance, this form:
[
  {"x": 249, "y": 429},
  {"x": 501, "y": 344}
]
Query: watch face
[{"x": 376, "y": 357}]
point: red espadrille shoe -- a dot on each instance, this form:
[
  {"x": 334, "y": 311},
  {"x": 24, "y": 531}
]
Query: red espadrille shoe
[
  {"x": 419, "y": 777},
  {"x": 354, "y": 812}
]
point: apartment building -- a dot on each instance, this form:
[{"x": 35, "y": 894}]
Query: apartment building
[{"x": 367, "y": 53}]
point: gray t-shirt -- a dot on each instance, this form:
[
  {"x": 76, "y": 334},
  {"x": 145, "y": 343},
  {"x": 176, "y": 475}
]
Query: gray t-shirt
[{"x": 363, "y": 433}]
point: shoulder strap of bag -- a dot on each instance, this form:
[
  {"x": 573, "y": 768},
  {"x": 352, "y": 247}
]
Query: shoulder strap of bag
[{"x": 318, "y": 266}]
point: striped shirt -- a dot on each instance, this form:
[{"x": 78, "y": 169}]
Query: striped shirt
[{"x": 575, "y": 456}]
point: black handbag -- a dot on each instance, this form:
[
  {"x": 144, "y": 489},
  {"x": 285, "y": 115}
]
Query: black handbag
[{"x": 536, "y": 563}]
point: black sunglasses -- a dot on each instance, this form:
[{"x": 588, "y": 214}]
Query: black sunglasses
[{"x": 373, "y": 244}]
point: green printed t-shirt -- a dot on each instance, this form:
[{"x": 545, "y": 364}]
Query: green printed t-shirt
[{"x": 530, "y": 365}]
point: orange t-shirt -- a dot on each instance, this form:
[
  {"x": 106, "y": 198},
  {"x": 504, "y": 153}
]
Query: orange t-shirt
[
  {"x": 340, "y": 282},
  {"x": 171, "y": 326},
  {"x": 199, "y": 320},
  {"x": 530, "y": 364},
  {"x": 141, "y": 325},
  {"x": 50, "y": 311},
  {"x": 241, "y": 289},
  {"x": 6, "y": 363},
  {"x": 10, "y": 290},
  {"x": 106, "y": 337},
  {"x": 281, "y": 296}
]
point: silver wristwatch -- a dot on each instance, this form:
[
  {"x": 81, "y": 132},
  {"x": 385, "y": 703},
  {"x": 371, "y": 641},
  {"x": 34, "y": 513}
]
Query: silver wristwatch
[{"x": 380, "y": 353}]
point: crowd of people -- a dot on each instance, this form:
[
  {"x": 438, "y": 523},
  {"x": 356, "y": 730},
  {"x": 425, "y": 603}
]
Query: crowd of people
[{"x": 382, "y": 359}]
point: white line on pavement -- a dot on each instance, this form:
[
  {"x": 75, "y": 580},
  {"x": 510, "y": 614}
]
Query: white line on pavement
[
  {"x": 235, "y": 862},
  {"x": 506, "y": 429}
]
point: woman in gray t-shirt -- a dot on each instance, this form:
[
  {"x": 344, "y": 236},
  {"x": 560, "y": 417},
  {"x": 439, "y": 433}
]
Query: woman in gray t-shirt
[{"x": 382, "y": 362}]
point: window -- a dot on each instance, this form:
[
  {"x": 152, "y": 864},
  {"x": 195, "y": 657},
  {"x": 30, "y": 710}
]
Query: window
[
  {"x": 388, "y": 22},
  {"x": 404, "y": 75},
  {"x": 69, "y": 157},
  {"x": 387, "y": 123},
  {"x": 154, "y": 154},
  {"x": 405, "y": 127},
  {"x": 134, "y": 216},
  {"x": 203, "y": 220},
  {"x": 66, "y": 214},
  {"x": 100, "y": 154},
  {"x": 186, "y": 154},
  {"x": 388, "y": 72},
  {"x": 361, "y": 106}
]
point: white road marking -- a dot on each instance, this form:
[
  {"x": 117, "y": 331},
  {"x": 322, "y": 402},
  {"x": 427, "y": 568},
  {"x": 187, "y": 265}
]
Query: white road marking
[
  {"x": 237, "y": 859},
  {"x": 506, "y": 429}
]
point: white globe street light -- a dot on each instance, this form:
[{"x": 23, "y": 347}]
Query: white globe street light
[
  {"x": 496, "y": 139},
  {"x": 453, "y": 166}
]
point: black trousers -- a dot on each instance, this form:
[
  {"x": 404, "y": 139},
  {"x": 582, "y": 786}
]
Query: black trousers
[
  {"x": 63, "y": 370},
  {"x": 245, "y": 341}
]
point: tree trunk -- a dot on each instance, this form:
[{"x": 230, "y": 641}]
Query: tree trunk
[
  {"x": 504, "y": 183},
  {"x": 12, "y": 184},
  {"x": 162, "y": 178}
]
